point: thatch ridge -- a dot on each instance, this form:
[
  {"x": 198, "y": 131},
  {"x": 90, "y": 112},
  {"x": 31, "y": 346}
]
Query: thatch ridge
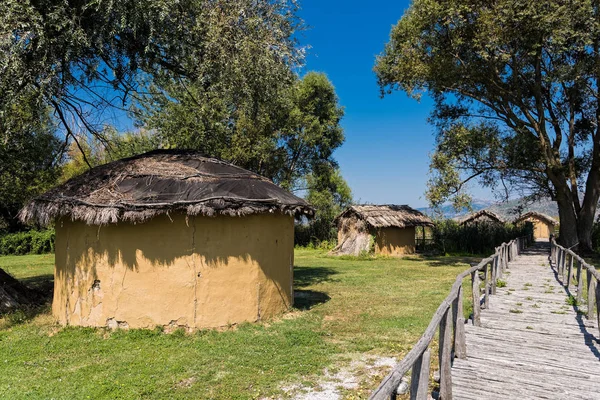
[
  {"x": 387, "y": 215},
  {"x": 482, "y": 213},
  {"x": 546, "y": 218},
  {"x": 139, "y": 188}
]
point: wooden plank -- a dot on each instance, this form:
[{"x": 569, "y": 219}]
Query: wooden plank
[{"x": 530, "y": 344}]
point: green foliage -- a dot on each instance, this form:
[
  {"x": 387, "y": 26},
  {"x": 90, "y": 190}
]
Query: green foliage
[
  {"x": 29, "y": 156},
  {"x": 516, "y": 98},
  {"x": 113, "y": 146},
  {"x": 450, "y": 237},
  {"x": 571, "y": 300},
  {"x": 286, "y": 136},
  {"x": 87, "y": 58},
  {"x": 330, "y": 195},
  {"x": 30, "y": 242}
]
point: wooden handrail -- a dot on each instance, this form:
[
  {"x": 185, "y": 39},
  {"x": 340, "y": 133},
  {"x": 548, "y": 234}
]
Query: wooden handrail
[
  {"x": 449, "y": 320},
  {"x": 564, "y": 269}
]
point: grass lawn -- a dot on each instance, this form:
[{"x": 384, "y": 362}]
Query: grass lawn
[{"x": 349, "y": 313}]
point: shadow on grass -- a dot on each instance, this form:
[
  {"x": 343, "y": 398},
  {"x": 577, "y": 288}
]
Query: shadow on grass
[
  {"x": 43, "y": 288},
  {"x": 446, "y": 261},
  {"x": 42, "y": 283},
  {"x": 306, "y": 299},
  {"x": 306, "y": 276}
]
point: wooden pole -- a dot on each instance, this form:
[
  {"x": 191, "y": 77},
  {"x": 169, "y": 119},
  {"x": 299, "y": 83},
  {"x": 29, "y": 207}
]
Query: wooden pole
[
  {"x": 579, "y": 283},
  {"x": 570, "y": 271},
  {"x": 460, "y": 339},
  {"x": 419, "y": 382},
  {"x": 444, "y": 356},
  {"x": 476, "y": 293},
  {"x": 598, "y": 305},
  {"x": 487, "y": 286},
  {"x": 591, "y": 290},
  {"x": 494, "y": 275}
]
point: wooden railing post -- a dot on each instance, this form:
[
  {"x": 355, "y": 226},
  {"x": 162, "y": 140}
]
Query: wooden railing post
[
  {"x": 419, "y": 381},
  {"x": 444, "y": 357},
  {"x": 561, "y": 255},
  {"x": 598, "y": 305},
  {"x": 460, "y": 339},
  {"x": 579, "y": 283},
  {"x": 494, "y": 276},
  {"x": 486, "y": 285},
  {"x": 591, "y": 291},
  {"x": 449, "y": 321},
  {"x": 476, "y": 299},
  {"x": 570, "y": 271}
]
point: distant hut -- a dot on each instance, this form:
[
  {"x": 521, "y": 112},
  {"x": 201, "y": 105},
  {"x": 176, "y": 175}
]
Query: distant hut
[
  {"x": 392, "y": 227},
  {"x": 170, "y": 238},
  {"x": 482, "y": 217},
  {"x": 543, "y": 225}
]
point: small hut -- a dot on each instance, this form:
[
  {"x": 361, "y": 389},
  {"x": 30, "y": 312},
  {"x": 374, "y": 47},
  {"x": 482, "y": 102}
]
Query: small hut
[
  {"x": 482, "y": 217},
  {"x": 170, "y": 238},
  {"x": 543, "y": 225},
  {"x": 390, "y": 228}
]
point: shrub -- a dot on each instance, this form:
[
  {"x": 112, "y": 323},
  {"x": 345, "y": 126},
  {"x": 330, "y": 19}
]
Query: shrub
[
  {"x": 450, "y": 237},
  {"x": 31, "y": 242}
]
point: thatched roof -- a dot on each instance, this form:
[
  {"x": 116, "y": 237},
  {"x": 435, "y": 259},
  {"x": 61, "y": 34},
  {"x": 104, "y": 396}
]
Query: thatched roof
[
  {"x": 385, "y": 216},
  {"x": 485, "y": 215},
  {"x": 139, "y": 188},
  {"x": 537, "y": 215}
]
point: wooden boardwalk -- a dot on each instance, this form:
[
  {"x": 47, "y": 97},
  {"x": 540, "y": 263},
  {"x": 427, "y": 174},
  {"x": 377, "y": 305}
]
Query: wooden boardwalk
[{"x": 531, "y": 344}]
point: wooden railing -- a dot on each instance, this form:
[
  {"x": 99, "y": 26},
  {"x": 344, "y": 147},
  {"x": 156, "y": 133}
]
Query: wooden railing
[
  {"x": 450, "y": 322},
  {"x": 565, "y": 262}
]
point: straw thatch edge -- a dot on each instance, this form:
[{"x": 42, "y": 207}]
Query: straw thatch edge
[
  {"x": 45, "y": 211},
  {"x": 490, "y": 214},
  {"x": 381, "y": 216}
]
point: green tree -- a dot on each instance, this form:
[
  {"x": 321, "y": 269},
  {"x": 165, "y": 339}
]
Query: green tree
[
  {"x": 330, "y": 195},
  {"x": 87, "y": 58},
  {"x": 30, "y": 156},
  {"x": 517, "y": 106},
  {"x": 92, "y": 151},
  {"x": 286, "y": 138}
]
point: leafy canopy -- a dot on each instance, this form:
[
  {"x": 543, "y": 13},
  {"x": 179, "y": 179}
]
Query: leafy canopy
[
  {"x": 515, "y": 85},
  {"x": 87, "y": 59}
]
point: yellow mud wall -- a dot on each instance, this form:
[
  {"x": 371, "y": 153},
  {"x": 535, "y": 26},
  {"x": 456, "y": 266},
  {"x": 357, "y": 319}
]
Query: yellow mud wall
[
  {"x": 395, "y": 241},
  {"x": 541, "y": 230},
  {"x": 195, "y": 272}
]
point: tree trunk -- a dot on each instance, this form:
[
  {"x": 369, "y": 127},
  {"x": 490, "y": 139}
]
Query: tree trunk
[{"x": 568, "y": 236}]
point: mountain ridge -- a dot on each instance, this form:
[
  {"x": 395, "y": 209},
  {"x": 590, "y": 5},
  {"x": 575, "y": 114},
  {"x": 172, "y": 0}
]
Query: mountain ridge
[{"x": 508, "y": 210}]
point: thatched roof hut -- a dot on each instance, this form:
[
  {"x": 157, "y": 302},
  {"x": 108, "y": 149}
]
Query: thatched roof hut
[
  {"x": 170, "y": 238},
  {"x": 482, "y": 216},
  {"x": 139, "y": 188},
  {"x": 543, "y": 225},
  {"x": 389, "y": 228}
]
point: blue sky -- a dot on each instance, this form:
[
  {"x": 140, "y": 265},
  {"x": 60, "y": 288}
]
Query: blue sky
[{"x": 386, "y": 154}]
